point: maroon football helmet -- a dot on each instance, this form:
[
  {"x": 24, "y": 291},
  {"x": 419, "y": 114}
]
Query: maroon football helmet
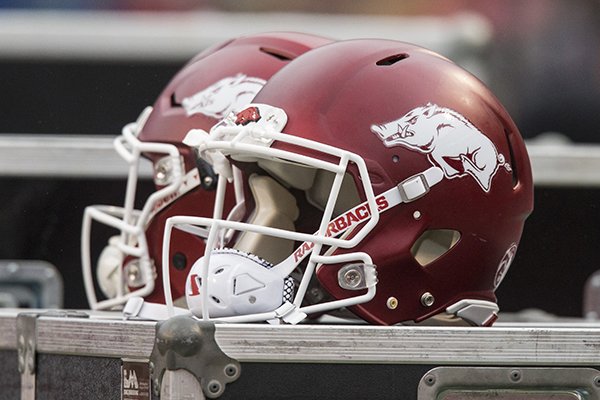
[
  {"x": 216, "y": 82},
  {"x": 395, "y": 176}
]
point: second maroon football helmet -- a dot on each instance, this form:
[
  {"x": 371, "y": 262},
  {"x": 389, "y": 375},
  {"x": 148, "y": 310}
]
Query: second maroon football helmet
[{"x": 218, "y": 81}]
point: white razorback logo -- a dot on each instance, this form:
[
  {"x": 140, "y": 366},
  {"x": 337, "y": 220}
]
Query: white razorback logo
[
  {"x": 450, "y": 141},
  {"x": 222, "y": 97}
]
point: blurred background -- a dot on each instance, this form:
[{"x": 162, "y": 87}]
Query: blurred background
[{"x": 70, "y": 67}]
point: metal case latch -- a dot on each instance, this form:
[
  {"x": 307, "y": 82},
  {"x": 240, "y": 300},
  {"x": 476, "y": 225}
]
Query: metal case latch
[{"x": 184, "y": 343}]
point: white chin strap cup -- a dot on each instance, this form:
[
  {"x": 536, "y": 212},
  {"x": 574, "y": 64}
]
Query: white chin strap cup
[{"x": 236, "y": 283}]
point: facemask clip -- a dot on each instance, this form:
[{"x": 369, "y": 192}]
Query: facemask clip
[
  {"x": 288, "y": 313},
  {"x": 357, "y": 276}
]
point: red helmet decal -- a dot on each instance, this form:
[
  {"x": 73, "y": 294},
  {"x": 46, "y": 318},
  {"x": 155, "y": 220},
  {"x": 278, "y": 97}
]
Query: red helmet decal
[{"x": 250, "y": 114}]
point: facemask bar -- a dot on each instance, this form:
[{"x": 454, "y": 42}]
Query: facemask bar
[
  {"x": 129, "y": 222},
  {"x": 249, "y": 142},
  {"x": 236, "y": 213}
]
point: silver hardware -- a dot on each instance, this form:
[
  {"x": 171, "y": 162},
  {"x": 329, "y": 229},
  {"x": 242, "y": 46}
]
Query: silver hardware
[
  {"x": 352, "y": 278},
  {"x": 357, "y": 276},
  {"x": 413, "y": 188},
  {"x": 207, "y": 180},
  {"x": 427, "y": 299},
  {"x": 26, "y": 351},
  {"x": 515, "y": 375},
  {"x": 429, "y": 380},
  {"x": 163, "y": 170},
  {"x": 392, "y": 303},
  {"x": 133, "y": 274},
  {"x": 509, "y": 383}
]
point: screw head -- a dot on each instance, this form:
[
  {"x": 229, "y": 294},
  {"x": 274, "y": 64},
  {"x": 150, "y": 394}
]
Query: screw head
[
  {"x": 133, "y": 274},
  {"x": 214, "y": 386},
  {"x": 231, "y": 370},
  {"x": 207, "y": 180},
  {"x": 352, "y": 277},
  {"x": 392, "y": 303},
  {"x": 427, "y": 299},
  {"x": 430, "y": 380},
  {"x": 515, "y": 375}
]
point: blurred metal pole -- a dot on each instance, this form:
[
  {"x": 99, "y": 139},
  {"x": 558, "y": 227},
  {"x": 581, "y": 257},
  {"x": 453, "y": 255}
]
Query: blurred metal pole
[
  {"x": 79, "y": 156},
  {"x": 115, "y": 35}
]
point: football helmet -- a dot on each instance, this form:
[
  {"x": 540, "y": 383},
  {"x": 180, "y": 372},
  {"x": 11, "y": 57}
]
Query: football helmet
[
  {"x": 216, "y": 82},
  {"x": 379, "y": 177}
]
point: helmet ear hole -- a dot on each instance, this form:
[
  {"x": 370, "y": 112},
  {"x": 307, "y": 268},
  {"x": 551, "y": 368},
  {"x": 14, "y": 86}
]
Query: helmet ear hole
[
  {"x": 433, "y": 244},
  {"x": 215, "y": 299}
]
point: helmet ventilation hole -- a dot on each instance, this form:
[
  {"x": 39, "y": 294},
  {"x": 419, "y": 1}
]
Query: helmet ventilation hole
[
  {"x": 391, "y": 60},
  {"x": 277, "y": 54},
  {"x": 174, "y": 102},
  {"x": 433, "y": 244},
  {"x": 513, "y": 163}
]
